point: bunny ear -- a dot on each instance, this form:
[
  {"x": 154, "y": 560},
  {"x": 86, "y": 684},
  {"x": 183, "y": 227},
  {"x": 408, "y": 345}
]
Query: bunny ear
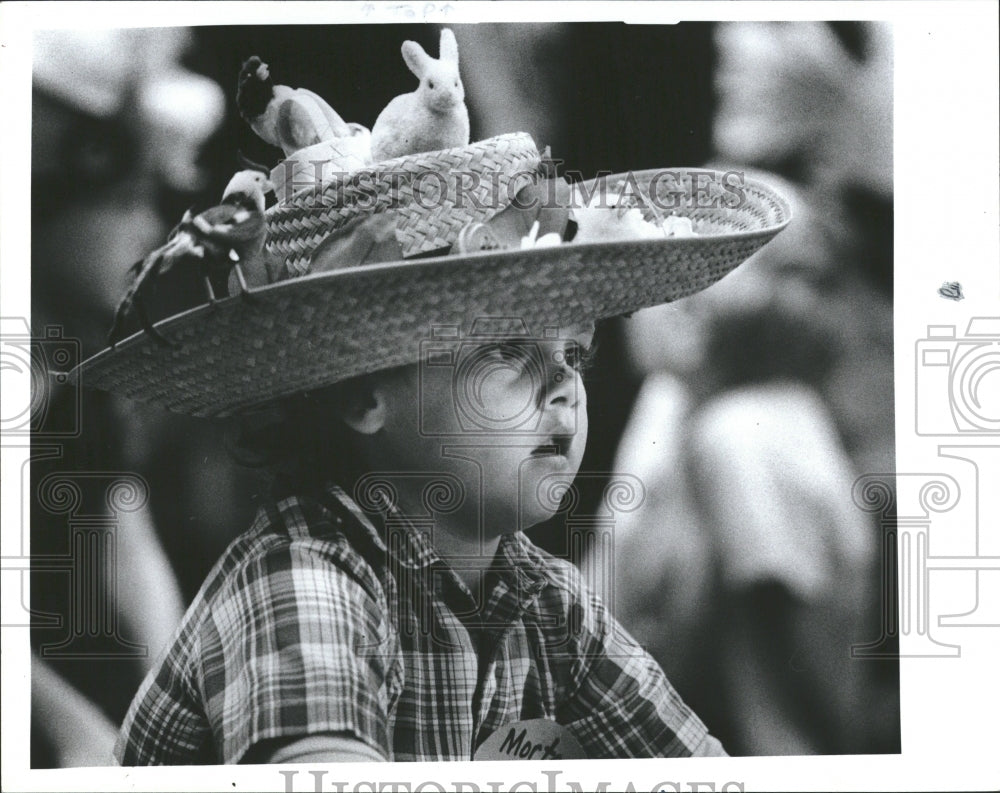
[
  {"x": 449, "y": 47},
  {"x": 416, "y": 58}
]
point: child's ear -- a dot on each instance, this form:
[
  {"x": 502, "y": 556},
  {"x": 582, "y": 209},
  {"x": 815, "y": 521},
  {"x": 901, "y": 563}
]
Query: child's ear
[{"x": 364, "y": 408}]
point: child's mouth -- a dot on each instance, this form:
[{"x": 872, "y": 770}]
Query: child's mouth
[{"x": 556, "y": 445}]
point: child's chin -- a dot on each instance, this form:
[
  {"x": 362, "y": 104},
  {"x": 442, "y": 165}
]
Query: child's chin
[
  {"x": 543, "y": 487},
  {"x": 533, "y": 515}
]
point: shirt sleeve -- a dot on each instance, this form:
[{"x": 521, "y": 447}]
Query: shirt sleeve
[
  {"x": 298, "y": 643},
  {"x": 622, "y": 704}
]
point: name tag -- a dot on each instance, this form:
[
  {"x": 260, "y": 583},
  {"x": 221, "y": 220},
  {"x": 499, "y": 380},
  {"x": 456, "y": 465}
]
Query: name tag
[{"x": 535, "y": 739}]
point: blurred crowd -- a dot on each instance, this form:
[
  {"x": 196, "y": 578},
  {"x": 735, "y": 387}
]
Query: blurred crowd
[{"x": 747, "y": 411}]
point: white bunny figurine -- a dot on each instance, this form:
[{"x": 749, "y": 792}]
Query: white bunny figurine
[{"x": 432, "y": 117}]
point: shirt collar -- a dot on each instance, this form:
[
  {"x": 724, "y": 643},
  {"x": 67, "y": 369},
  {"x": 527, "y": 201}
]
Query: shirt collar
[
  {"x": 408, "y": 541},
  {"x": 522, "y": 563}
]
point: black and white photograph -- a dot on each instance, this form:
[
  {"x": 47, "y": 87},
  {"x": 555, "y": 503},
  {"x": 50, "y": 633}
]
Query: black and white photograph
[{"x": 417, "y": 395}]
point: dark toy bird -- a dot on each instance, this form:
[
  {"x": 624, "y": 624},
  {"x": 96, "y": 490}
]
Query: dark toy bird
[
  {"x": 227, "y": 236},
  {"x": 291, "y": 118}
]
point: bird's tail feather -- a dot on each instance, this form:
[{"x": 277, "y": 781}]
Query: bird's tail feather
[
  {"x": 140, "y": 272},
  {"x": 147, "y": 325}
]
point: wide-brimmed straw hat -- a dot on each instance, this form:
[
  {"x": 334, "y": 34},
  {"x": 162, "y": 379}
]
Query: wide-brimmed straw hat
[{"x": 378, "y": 263}]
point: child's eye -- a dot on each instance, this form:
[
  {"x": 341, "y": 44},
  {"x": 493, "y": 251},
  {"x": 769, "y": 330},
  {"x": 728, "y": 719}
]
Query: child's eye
[{"x": 579, "y": 357}]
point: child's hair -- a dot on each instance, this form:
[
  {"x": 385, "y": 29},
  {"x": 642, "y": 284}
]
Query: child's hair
[{"x": 302, "y": 442}]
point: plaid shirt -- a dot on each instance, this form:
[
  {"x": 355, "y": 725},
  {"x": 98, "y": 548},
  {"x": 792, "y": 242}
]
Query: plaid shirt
[{"x": 315, "y": 621}]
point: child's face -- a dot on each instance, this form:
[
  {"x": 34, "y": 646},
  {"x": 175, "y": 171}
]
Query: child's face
[{"x": 507, "y": 421}]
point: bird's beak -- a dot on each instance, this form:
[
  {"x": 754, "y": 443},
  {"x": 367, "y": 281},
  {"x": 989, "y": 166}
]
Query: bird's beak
[
  {"x": 262, "y": 72},
  {"x": 268, "y": 186}
]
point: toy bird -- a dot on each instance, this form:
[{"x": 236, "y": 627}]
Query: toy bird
[
  {"x": 230, "y": 235},
  {"x": 290, "y": 118}
]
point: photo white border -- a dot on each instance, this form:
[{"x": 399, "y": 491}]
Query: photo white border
[{"x": 947, "y": 217}]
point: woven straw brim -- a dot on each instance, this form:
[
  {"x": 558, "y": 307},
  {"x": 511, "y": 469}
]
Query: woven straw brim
[
  {"x": 319, "y": 329},
  {"x": 297, "y": 226}
]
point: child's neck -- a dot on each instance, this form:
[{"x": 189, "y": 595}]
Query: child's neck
[
  {"x": 469, "y": 557},
  {"x": 458, "y": 540}
]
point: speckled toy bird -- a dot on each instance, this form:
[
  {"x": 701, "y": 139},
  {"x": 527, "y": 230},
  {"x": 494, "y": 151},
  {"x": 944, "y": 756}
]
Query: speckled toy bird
[
  {"x": 230, "y": 235},
  {"x": 290, "y": 118}
]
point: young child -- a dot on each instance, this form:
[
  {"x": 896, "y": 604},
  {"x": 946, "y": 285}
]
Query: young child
[
  {"x": 336, "y": 629},
  {"x": 387, "y": 604}
]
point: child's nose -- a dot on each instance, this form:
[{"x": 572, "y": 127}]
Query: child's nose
[{"x": 564, "y": 388}]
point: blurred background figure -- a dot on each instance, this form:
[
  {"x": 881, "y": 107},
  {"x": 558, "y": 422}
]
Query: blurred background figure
[
  {"x": 118, "y": 124},
  {"x": 748, "y": 571},
  {"x": 760, "y": 399}
]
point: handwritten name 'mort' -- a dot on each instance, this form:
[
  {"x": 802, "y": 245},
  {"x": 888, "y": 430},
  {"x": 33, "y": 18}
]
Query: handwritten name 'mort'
[{"x": 515, "y": 745}]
